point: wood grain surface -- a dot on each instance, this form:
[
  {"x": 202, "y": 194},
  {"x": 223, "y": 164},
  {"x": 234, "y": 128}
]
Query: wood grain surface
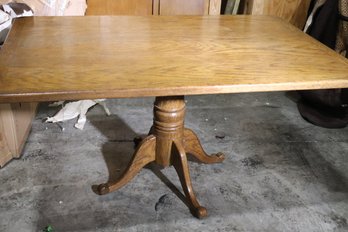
[
  {"x": 214, "y": 7},
  {"x": 119, "y": 7},
  {"x": 183, "y": 7},
  {"x": 293, "y": 11},
  {"x": 16, "y": 120},
  {"x": 56, "y": 58}
]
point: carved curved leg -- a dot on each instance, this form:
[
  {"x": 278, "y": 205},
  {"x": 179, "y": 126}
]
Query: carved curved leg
[
  {"x": 194, "y": 147},
  {"x": 144, "y": 154},
  {"x": 167, "y": 144},
  {"x": 179, "y": 162}
]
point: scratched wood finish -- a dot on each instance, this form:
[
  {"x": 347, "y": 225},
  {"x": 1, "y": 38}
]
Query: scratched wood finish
[{"x": 57, "y": 58}]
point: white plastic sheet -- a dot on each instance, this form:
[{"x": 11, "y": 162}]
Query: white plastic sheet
[{"x": 76, "y": 109}]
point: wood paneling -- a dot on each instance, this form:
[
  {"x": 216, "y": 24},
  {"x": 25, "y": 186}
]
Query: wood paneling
[
  {"x": 5, "y": 154},
  {"x": 119, "y": 7},
  {"x": 294, "y": 11},
  {"x": 155, "y": 7},
  {"x": 183, "y": 7},
  {"x": 214, "y": 7},
  {"x": 15, "y": 124},
  {"x": 59, "y": 58}
]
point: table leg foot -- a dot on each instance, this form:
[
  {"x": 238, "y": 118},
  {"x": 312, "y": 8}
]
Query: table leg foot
[
  {"x": 144, "y": 154},
  {"x": 194, "y": 147},
  {"x": 179, "y": 161}
]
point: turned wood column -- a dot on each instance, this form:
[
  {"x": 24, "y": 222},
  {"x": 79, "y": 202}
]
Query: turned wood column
[{"x": 168, "y": 126}]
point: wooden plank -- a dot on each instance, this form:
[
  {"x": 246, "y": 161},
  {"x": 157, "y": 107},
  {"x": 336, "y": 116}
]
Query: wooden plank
[
  {"x": 15, "y": 120},
  {"x": 5, "y": 154},
  {"x": 247, "y": 6},
  {"x": 155, "y": 7},
  {"x": 8, "y": 132},
  {"x": 161, "y": 56},
  {"x": 294, "y": 11},
  {"x": 119, "y": 7},
  {"x": 214, "y": 7},
  {"x": 23, "y": 116},
  {"x": 184, "y": 7}
]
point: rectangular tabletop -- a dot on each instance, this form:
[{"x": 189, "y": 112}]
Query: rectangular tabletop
[{"x": 60, "y": 58}]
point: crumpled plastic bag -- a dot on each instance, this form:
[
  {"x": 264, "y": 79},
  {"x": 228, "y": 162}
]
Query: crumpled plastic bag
[
  {"x": 8, "y": 12},
  {"x": 17, "y": 10},
  {"x": 5, "y": 20},
  {"x": 76, "y": 109},
  {"x": 54, "y": 7}
]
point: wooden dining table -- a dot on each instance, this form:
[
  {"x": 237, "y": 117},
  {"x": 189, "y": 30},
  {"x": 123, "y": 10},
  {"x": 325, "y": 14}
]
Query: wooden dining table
[{"x": 167, "y": 57}]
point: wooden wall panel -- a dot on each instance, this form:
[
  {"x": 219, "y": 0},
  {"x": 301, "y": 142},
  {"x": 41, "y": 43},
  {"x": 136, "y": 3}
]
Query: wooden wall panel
[
  {"x": 184, "y": 7},
  {"x": 24, "y": 114},
  {"x": 294, "y": 11},
  {"x": 214, "y": 7},
  {"x": 155, "y": 7},
  {"x": 5, "y": 154},
  {"x": 119, "y": 7},
  {"x": 15, "y": 124}
]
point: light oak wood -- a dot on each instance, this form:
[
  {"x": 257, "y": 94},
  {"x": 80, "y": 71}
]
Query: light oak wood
[
  {"x": 214, "y": 7},
  {"x": 156, "y": 7},
  {"x": 55, "y": 58},
  {"x": 5, "y": 154},
  {"x": 16, "y": 119},
  {"x": 183, "y": 7},
  {"x": 119, "y": 7},
  {"x": 15, "y": 124},
  {"x": 293, "y": 11},
  {"x": 153, "y": 7}
]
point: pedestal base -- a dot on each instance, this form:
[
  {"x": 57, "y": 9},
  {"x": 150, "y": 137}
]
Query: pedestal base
[{"x": 168, "y": 143}]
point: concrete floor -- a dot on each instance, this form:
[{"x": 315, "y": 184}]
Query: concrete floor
[{"x": 280, "y": 173}]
